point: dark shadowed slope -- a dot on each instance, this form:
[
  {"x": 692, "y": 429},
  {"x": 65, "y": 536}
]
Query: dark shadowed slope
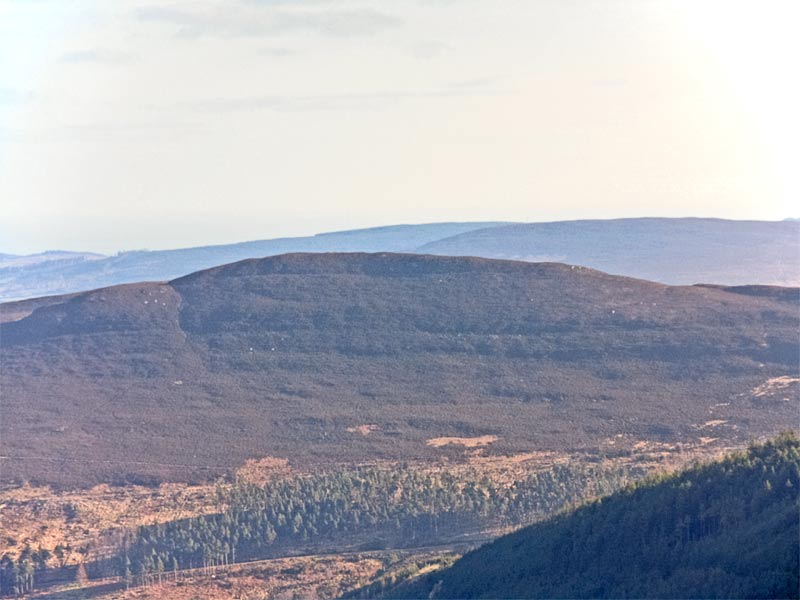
[
  {"x": 63, "y": 273},
  {"x": 675, "y": 251},
  {"x": 724, "y": 530},
  {"x": 286, "y": 356}
]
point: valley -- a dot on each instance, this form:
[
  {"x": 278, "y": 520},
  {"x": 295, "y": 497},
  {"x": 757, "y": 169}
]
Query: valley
[
  {"x": 359, "y": 300},
  {"x": 310, "y": 424},
  {"x": 90, "y": 526}
]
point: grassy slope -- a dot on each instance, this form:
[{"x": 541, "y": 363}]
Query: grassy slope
[{"x": 289, "y": 356}]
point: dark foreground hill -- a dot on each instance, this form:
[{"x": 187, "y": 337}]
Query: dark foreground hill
[
  {"x": 728, "y": 529},
  {"x": 674, "y": 251},
  {"x": 324, "y": 358}
]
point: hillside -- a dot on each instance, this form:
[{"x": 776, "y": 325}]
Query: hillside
[
  {"x": 728, "y": 529},
  {"x": 346, "y": 358},
  {"x": 673, "y": 251}
]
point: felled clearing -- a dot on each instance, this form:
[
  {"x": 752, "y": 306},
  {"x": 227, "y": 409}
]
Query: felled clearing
[
  {"x": 774, "y": 385},
  {"x": 714, "y": 423},
  {"x": 41, "y": 517},
  {"x": 363, "y": 429},
  {"x": 283, "y": 579},
  {"x": 260, "y": 470},
  {"x": 467, "y": 442},
  {"x": 645, "y": 446}
]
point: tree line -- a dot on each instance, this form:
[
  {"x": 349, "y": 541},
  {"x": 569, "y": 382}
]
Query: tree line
[
  {"x": 726, "y": 529},
  {"x": 17, "y": 576},
  {"x": 372, "y": 506}
]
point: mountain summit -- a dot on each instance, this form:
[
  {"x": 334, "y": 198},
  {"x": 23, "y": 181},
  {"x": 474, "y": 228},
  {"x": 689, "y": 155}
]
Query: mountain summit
[
  {"x": 338, "y": 357},
  {"x": 673, "y": 251}
]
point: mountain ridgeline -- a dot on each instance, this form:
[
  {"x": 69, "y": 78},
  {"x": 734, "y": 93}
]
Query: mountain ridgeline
[
  {"x": 674, "y": 251},
  {"x": 342, "y": 358},
  {"x": 727, "y": 529},
  {"x": 63, "y": 273}
]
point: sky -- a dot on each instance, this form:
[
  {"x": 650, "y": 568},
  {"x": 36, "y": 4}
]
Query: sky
[{"x": 156, "y": 124}]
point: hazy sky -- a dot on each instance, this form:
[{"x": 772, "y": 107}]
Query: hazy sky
[{"x": 161, "y": 124}]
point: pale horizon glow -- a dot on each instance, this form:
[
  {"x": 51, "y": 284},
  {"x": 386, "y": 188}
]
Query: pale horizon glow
[{"x": 163, "y": 124}]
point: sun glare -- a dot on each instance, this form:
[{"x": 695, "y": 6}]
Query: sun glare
[{"x": 752, "y": 49}]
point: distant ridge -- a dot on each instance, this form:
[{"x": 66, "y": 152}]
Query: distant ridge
[
  {"x": 15, "y": 261},
  {"x": 73, "y": 274},
  {"x": 676, "y": 251},
  {"x": 673, "y": 251}
]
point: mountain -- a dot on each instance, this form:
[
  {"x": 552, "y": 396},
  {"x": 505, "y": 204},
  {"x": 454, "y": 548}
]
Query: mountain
[
  {"x": 16, "y": 260},
  {"x": 728, "y": 529},
  {"x": 673, "y": 251},
  {"x": 341, "y": 358},
  {"x": 28, "y": 277},
  {"x": 62, "y": 257}
]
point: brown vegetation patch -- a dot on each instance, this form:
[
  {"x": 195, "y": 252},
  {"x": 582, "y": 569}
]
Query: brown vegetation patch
[
  {"x": 504, "y": 470},
  {"x": 261, "y": 470},
  {"x": 363, "y": 429},
  {"x": 41, "y": 517},
  {"x": 280, "y": 579},
  {"x": 713, "y": 423},
  {"x": 467, "y": 442},
  {"x": 774, "y": 385}
]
